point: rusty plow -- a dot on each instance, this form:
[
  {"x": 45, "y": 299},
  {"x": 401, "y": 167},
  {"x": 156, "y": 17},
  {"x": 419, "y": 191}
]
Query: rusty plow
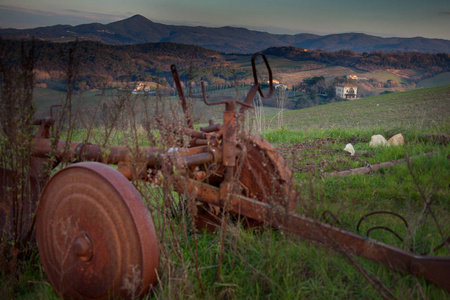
[{"x": 92, "y": 224}]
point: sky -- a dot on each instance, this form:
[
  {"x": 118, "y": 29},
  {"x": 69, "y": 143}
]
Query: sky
[{"x": 385, "y": 18}]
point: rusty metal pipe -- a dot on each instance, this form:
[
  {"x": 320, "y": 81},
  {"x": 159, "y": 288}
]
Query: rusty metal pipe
[
  {"x": 211, "y": 128},
  {"x": 251, "y": 94},
  {"x": 201, "y": 142},
  {"x": 115, "y": 154},
  {"x": 192, "y": 150},
  {"x": 198, "y": 159},
  {"x": 105, "y": 154},
  {"x": 195, "y": 133},
  {"x": 184, "y": 105},
  {"x": 432, "y": 269}
]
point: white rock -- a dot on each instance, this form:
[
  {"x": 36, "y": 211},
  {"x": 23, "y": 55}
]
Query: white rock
[
  {"x": 349, "y": 148},
  {"x": 396, "y": 140},
  {"x": 377, "y": 140}
]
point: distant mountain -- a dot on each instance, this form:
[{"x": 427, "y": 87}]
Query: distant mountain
[
  {"x": 138, "y": 29},
  {"x": 360, "y": 42}
]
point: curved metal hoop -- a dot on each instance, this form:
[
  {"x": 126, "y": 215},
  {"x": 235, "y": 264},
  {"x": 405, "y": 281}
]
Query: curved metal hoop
[{"x": 255, "y": 75}]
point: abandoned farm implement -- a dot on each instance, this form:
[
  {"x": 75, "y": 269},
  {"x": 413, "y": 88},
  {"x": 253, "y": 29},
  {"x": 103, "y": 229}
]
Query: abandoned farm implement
[{"x": 92, "y": 224}]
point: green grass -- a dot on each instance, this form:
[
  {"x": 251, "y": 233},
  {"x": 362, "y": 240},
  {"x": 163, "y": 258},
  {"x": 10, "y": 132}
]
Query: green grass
[
  {"x": 411, "y": 109},
  {"x": 270, "y": 264},
  {"x": 84, "y": 104},
  {"x": 385, "y": 76},
  {"x": 274, "y": 265},
  {"x": 438, "y": 80},
  {"x": 317, "y": 135}
]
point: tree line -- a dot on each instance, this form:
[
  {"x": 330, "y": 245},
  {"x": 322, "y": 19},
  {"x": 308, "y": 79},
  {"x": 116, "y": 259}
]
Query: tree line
[{"x": 367, "y": 61}]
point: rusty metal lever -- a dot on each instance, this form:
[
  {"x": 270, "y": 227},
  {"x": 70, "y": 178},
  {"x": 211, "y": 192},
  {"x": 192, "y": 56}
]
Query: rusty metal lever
[
  {"x": 184, "y": 106},
  {"x": 252, "y": 92},
  {"x": 227, "y": 102}
]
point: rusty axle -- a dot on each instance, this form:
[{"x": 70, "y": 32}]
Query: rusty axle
[{"x": 150, "y": 156}]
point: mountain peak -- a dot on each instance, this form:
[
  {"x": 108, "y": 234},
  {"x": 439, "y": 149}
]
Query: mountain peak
[
  {"x": 138, "y": 17},
  {"x": 135, "y": 20},
  {"x": 137, "y": 29}
]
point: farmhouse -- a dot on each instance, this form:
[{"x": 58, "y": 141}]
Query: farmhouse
[
  {"x": 354, "y": 77},
  {"x": 346, "y": 91},
  {"x": 142, "y": 88},
  {"x": 278, "y": 85}
]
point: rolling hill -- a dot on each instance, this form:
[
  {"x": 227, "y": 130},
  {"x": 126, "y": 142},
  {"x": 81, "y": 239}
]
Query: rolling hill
[{"x": 418, "y": 108}]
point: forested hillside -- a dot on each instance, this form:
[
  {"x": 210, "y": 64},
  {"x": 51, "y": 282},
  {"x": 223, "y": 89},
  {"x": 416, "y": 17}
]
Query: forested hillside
[
  {"x": 101, "y": 66},
  {"x": 367, "y": 61}
]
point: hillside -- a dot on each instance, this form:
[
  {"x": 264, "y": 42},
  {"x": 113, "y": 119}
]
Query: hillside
[
  {"x": 419, "y": 108},
  {"x": 100, "y": 65},
  {"x": 138, "y": 29}
]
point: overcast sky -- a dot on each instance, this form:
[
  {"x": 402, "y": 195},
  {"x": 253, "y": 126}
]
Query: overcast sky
[{"x": 386, "y": 18}]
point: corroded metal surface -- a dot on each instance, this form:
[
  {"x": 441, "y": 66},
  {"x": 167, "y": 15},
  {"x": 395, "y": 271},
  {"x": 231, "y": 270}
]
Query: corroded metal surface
[
  {"x": 261, "y": 173},
  {"x": 266, "y": 174},
  {"x": 433, "y": 269},
  {"x": 184, "y": 104},
  {"x": 95, "y": 235},
  {"x": 251, "y": 167},
  {"x": 85, "y": 151}
]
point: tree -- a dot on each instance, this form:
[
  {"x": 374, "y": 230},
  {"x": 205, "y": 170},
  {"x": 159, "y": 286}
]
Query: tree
[{"x": 311, "y": 81}]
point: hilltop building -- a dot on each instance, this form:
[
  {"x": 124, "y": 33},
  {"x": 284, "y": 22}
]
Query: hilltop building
[{"x": 346, "y": 91}]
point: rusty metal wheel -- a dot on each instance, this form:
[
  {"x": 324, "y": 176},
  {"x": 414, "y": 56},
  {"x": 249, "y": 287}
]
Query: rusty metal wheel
[
  {"x": 95, "y": 235},
  {"x": 263, "y": 175}
]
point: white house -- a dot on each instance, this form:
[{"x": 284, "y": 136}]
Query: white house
[
  {"x": 278, "y": 85},
  {"x": 346, "y": 91},
  {"x": 142, "y": 88}
]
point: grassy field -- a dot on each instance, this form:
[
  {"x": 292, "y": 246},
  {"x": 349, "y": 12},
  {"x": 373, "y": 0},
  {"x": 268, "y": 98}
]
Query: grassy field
[
  {"x": 276, "y": 63},
  {"x": 291, "y": 72},
  {"x": 384, "y": 75},
  {"x": 406, "y": 110},
  {"x": 296, "y": 77},
  {"x": 438, "y": 80},
  {"x": 271, "y": 264}
]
